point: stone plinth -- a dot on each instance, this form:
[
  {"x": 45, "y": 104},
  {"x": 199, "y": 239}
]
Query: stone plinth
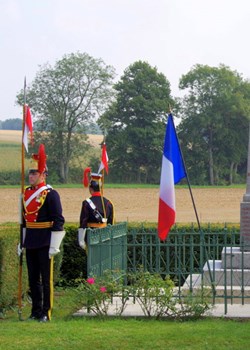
[
  {"x": 245, "y": 208},
  {"x": 225, "y": 277},
  {"x": 245, "y": 226},
  {"x": 234, "y": 258}
]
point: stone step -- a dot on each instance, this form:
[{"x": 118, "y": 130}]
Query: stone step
[
  {"x": 234, "y": 258},
  {"x": 221, "y": 276},
  {"x": 231, "y": 294}
]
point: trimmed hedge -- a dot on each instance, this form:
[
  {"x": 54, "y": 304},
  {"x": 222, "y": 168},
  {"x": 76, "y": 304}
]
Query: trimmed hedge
[
  {"x": 74, "y": 262},
  {"x": 9, "y": 266},
  {"x": 9, "y": 262}
]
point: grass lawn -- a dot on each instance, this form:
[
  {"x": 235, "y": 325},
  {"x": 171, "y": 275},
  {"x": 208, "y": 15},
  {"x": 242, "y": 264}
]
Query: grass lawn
[{"x": 67, "y": 332}]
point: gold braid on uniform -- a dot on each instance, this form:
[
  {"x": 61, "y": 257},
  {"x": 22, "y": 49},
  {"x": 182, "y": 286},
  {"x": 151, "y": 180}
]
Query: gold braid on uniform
[{"x": 42, "y": 198}]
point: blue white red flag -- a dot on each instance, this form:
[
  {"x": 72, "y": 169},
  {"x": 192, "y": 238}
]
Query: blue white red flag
[{"x": 173, "y": 170}]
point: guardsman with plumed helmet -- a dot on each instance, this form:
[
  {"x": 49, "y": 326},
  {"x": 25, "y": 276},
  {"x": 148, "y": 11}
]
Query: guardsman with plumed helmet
[
  {"x": 43, "y": 233},
  {"x": 97, "y": 211}
]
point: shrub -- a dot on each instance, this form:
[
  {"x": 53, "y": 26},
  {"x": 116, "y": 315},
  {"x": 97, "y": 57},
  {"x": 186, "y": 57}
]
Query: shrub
[
  {"x": 74, "y": 262},
  {"x": 96, "y": 293},
  {"x": 153, "y": 293},
  {"x": 10, "y": 265}
]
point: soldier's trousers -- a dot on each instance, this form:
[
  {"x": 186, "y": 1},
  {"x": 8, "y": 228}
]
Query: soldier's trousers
[{"x": 38, "y": 264}]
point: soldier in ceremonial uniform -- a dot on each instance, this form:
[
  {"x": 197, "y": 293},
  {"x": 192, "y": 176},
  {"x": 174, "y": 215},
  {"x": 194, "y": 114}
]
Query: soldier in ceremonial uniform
[
  {"x": 97, "y": 211},
  {"x": 42, "y": 235}
]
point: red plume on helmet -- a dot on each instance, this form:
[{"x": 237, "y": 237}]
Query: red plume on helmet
[
  {"x": 40, "y": 160},
  {"x": 86, "y": 176}
]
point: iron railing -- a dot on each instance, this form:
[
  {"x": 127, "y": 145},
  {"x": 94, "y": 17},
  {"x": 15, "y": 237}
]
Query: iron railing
[
  {"x": 192, "y": 259},
  {"x": 107, "y": 249}
]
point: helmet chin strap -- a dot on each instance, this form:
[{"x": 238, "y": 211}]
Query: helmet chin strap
[{"x": 40, "y": 179}]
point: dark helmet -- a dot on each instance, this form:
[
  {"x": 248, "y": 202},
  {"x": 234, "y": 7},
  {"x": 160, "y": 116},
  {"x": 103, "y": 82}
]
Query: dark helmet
[
  {"x": 92, "y": 180},
  {"x": 94, "y": 185}
]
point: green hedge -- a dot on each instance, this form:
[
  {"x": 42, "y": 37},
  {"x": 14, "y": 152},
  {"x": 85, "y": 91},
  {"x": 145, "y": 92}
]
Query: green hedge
[
  {"x": 9, "y": 262},
  {"x": 74, "y": 262},
  {"x": 10, "y": 266}
]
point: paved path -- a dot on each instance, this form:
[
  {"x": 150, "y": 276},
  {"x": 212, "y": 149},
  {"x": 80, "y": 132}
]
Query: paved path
[{"x": 218, "y": 310}]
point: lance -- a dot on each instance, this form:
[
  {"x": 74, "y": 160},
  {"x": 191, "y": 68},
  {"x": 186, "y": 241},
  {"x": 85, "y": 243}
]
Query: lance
[{"x": 20, "y": 273}]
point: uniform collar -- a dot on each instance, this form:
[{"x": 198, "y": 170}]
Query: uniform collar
[
  {"x": 96, "y": 194},
  {"x": 38, "y": 186}
]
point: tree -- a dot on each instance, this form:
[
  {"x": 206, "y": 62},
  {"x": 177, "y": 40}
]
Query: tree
[
  {"x": 214, "y": 122},
  {"x": 135, "y": 124},
  {"x": 65, "y": 97}
]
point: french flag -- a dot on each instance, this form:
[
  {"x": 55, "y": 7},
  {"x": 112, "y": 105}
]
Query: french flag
[{"x": 173, "y": 170}]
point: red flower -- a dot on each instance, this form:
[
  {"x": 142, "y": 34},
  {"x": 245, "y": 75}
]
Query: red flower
[
  {"x": 103, "y": 289},
  {"x": 90, "y": 280}
]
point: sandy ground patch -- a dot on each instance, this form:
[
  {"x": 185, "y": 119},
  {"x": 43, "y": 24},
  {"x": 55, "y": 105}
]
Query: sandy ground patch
[{"x": 141, "y": 205}]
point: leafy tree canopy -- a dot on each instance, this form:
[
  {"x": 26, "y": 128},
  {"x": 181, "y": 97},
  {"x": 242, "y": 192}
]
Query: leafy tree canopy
[
  {"x": 63, "y": 99},
  {"x": 135, "y": 124},
  {"x": 214, "y": 122}
]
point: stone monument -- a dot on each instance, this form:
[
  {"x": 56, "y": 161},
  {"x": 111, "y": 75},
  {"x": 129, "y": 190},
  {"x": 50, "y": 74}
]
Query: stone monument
[{"x": 245, "y": 210}]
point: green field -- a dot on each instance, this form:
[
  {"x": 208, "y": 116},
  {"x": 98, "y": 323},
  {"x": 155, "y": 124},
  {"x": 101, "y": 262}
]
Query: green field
[
  {"x": 10, "y": 157},
  {"x": 11, "y": 152}
]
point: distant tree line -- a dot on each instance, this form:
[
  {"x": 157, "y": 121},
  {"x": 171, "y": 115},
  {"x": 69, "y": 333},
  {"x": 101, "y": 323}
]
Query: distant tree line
[
  {"x": 11, "y": 124},
  {"x": 16, "y": 124},
  {"x": 79, "y": 92}
]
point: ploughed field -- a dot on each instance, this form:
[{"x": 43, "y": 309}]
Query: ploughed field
[{"x": 214, "y": 205}]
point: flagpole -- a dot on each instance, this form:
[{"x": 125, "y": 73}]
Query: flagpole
[
  {"x": 194, "y": 206},
  {"x": 20, "y": 273},
  {"x": 102, "y": 188},
  {"x": 189, "y": 185}
]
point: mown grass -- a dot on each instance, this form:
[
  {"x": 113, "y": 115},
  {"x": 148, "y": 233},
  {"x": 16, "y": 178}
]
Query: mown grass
[{"x": 68, "y": 332}]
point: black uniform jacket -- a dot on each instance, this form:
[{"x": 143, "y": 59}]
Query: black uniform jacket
[{"x": 87, "y": 214}]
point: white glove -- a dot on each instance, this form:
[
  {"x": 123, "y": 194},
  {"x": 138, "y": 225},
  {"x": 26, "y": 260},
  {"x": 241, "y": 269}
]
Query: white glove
[
  {"x": 24, "y": 234},
  {"x": 19, "y": 249},
  {"x": 55, "y": 242},
  {"x": 81, "y": 238}
]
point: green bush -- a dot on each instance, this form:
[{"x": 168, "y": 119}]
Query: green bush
[
  {"x": 10, "y": 178},
  {"x": 97, "y": 293},
  {"x": 74, "y": 262},
  {"x": 10, "y": 267}
]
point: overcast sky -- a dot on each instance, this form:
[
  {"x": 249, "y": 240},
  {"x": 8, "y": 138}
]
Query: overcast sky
[{"x": 172, "y": 35}]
